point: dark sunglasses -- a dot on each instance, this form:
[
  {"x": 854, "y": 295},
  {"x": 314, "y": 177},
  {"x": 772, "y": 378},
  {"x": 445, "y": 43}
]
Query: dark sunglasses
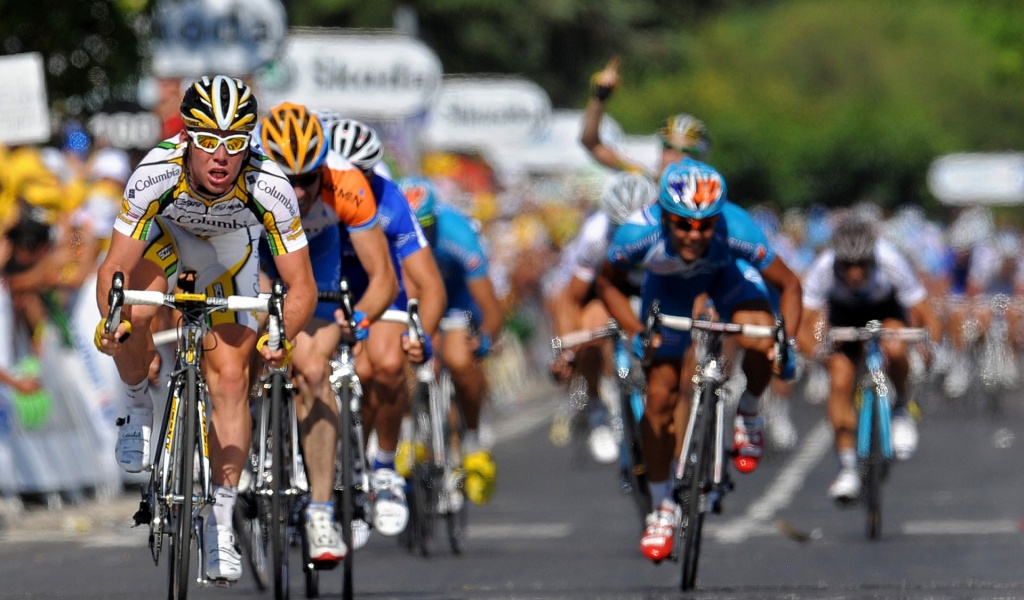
[
  {"x": 688, "y": 224},
  {"x": 304, "y": 180},
  {"x": 846, "y": 265}
]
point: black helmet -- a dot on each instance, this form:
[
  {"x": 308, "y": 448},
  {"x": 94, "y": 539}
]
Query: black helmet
[{"x": 219, "y": 102}]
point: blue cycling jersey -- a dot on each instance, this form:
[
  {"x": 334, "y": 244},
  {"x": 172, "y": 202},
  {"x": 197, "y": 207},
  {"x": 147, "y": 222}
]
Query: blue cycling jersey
[
  {"x": 744, "y": 236},
  {"x": 460, "y": 258},
  {"x": 727, "y": 278},
  {"x": 402, "y": 230}
]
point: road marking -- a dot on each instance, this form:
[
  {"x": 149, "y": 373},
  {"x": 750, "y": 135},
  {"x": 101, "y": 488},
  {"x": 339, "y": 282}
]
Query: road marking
[
  {"x": 778, "y": 496},
  {"x": 518, "y": 531},
  {"x": 961, "y": 527}
]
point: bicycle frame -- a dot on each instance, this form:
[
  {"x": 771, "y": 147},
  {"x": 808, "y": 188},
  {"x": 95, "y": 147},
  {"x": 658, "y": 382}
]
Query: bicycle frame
[
  {"x": 173, "y": 500},
  {"x": 874, "y": 421}
]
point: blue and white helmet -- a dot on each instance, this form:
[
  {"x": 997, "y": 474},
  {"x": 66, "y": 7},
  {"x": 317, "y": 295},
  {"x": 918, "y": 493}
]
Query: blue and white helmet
[{"x": 692, "y": 189}]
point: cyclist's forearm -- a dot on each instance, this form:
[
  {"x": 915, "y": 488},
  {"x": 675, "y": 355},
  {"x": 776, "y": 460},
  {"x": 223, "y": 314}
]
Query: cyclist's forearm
[{"x": 616, "y": 301}]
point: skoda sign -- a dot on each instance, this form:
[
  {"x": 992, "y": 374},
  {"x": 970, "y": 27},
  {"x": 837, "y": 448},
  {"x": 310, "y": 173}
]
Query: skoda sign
[
  {"x": 481, "y": 112},
  {"x": 370, "y": 76},
  {"x": 199, "y": 37}
]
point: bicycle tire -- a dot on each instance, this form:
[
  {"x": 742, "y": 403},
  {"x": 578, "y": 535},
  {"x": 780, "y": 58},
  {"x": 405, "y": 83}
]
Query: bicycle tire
[
  {"x": 874, "y": 471},
  {"x": 456, "y": 522},
  {"x": 181, "y": 514},
  {"x": 279, "y": 506},
  {"x": 346, "y": 440},
  {"x": 250, "y": 528},
  {"x": 701, "y": 464},
  {"x": 425, "y": 479},
  {"x": 634, "y": 465}
]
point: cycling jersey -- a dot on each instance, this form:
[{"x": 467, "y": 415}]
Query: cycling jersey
[
  {"x": 726, "y": 277},
  {"x": 892, "y": 277},
  {"x": 460, "y": 258},
  {"x": 402, "y": 230},
  {"x": 346, "y": 204},
  {"x": 216, "y": 238}
]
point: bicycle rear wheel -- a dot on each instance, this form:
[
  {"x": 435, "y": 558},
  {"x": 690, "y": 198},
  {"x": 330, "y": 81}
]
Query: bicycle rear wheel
[
  {"x": 695, "y": 484},
  {"x": 634, "y": 467},
  {"x": 250, "y": 527},
  {"x": 183, "y": 457},
  {"x": 280, "y": 509},
  {"x": 874, "y": 471}
]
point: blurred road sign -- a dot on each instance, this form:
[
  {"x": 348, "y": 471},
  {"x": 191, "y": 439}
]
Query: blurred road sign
[
  {"x": 24, "y": 113},
  {"x": 203, "y": 37},
  {"x": 996, "y": 178}
]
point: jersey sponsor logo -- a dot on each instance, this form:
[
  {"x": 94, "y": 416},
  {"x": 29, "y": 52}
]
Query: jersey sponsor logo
[
  {"x": 271, "y": 190},
  {"x": 227, "y": 207},
  {"x": 165, "y": 252},
  {"x": 189, "y": 204},
  {"x": 131, "y": 194},
  {"x": 151, "y": 180},
  {"x": 190, "y": 221}
]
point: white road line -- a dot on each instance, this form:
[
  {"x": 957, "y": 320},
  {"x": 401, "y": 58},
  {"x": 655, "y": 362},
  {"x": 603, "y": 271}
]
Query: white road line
[
  {"x": 778, "y": 496},
  {"x": 961, "y": 527},
  {"x": 520, "y": 531}
]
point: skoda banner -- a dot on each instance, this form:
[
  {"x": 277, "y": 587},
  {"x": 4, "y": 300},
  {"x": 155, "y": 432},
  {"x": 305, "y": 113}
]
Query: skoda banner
[
  {"x": 233, "y": 37},
  {"x": 474, "y": 113},
  {"x": 368, "y": 76}
]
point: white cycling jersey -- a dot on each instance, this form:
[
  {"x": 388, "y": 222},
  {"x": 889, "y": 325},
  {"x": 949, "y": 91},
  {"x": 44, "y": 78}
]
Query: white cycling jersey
[
  {"x": 893, "y": 274},
  {"x": 583, "y": 256}
]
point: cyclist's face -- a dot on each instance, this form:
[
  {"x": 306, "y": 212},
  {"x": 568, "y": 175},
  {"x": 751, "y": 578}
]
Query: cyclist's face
[
  {"x": 689, "y": 238},
  {"x": 214, "y": 173},
  {"x": 854, "y": 274},
  {"x": 307, "y": 189}
]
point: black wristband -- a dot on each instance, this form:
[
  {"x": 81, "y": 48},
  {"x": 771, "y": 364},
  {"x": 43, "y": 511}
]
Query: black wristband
[{"x": 602, "y": 92}]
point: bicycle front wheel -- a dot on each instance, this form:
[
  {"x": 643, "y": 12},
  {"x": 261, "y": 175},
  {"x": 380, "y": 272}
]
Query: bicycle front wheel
[
  {"x": 426, "y": 477},
  {"x": 279, "y": 504},
  {"x": 874, "y": 470},
  {"x": 696, "y": 481},
  {"x": 183, "y": 458},
  {"x": 347, "y": 452}
]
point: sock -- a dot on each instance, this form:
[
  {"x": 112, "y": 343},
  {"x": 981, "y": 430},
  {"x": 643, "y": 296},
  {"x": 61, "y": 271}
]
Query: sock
[
  {"x": 223, "y": 505},
  {"x": 660, "y": 491},
  {"x": 384, "y": 460},
  {"x": 848, "y": 458},
  {"x": 470, "y": 441},
  {"x": 138, "y": 394},
  {"x": 748, "y": 404},
  {"x": 328, "y": 506}
]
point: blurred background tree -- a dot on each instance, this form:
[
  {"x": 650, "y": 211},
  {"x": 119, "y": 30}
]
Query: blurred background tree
[{"x": 807, "y": 100}]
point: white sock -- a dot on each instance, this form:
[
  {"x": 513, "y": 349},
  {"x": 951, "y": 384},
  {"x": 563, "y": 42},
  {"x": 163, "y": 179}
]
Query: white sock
[
  {"x": 224, "y": 498},
  {"x": 138, "y": 394},
  {"x": 660, "y": 491},
  {"x": 470, "y": 441},
  {"x": 848, "y": 458},
  {"x": 748, "y": 403}
]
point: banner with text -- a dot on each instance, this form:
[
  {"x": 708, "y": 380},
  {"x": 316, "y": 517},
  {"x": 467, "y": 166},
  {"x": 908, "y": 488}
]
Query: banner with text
[{"x": 24, "y": 114}]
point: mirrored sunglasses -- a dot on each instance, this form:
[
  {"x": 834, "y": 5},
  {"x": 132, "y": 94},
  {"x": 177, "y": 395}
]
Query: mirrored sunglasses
[
  {"x": 688, "y": 224},
  {"x": 209, "y": 142}
]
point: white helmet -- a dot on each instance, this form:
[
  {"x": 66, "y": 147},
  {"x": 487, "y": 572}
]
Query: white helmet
[
  {"x": 357, "y": 142},
  {"x": 626, "y": 193}
]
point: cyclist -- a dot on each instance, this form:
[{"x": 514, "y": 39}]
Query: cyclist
[
  {"x": 462, "y": 261},
  {"x": 382, "y": 367},
  {"x": 858, "y": 279},
  {"x": 676, "y": 242},
  {"x": 340, "y": 216},
  {"x": 574, "y": 304},
  {"x": 681, "y": 135},
  {"x": 199, "y": 201}
]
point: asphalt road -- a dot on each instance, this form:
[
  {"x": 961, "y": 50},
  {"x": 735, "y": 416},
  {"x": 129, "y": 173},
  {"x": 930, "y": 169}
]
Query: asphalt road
[{"x": 560, "y": 529}]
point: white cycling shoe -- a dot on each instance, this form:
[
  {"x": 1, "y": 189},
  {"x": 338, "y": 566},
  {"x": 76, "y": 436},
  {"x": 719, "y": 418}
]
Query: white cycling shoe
[
  {"x": 904, "y": 436},
  {"x": 846, "y": 487},
  {"x": 390, "y": 508},
  {"x": 133, "y": 434},
  {"x": 223, "y": 557}
]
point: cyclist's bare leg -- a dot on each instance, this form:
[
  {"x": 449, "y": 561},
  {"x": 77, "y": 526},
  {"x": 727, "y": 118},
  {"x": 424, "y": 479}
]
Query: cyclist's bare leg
[
  {"x": 759, "y": 352},
  {"x": 317, "y": 412},
  {"x": 388, "y": 392},
  {"x": 657, "y": 428},
  {"x": 591, "y": 358},
  {"x": 226, "y": 368},
  {"x": 897, "y": 363},
  {"x": 467, "y": 375},
  {"x": 136, "y": 356},
  {"x": 841, "y": 413}
]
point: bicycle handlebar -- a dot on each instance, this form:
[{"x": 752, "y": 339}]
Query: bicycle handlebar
[
  {"x": 583, "y": 336},
  {"x": 860, "y": 334}
]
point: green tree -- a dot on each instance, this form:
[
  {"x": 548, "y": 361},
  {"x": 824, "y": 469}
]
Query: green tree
[{"x": 90, "y": 49}]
